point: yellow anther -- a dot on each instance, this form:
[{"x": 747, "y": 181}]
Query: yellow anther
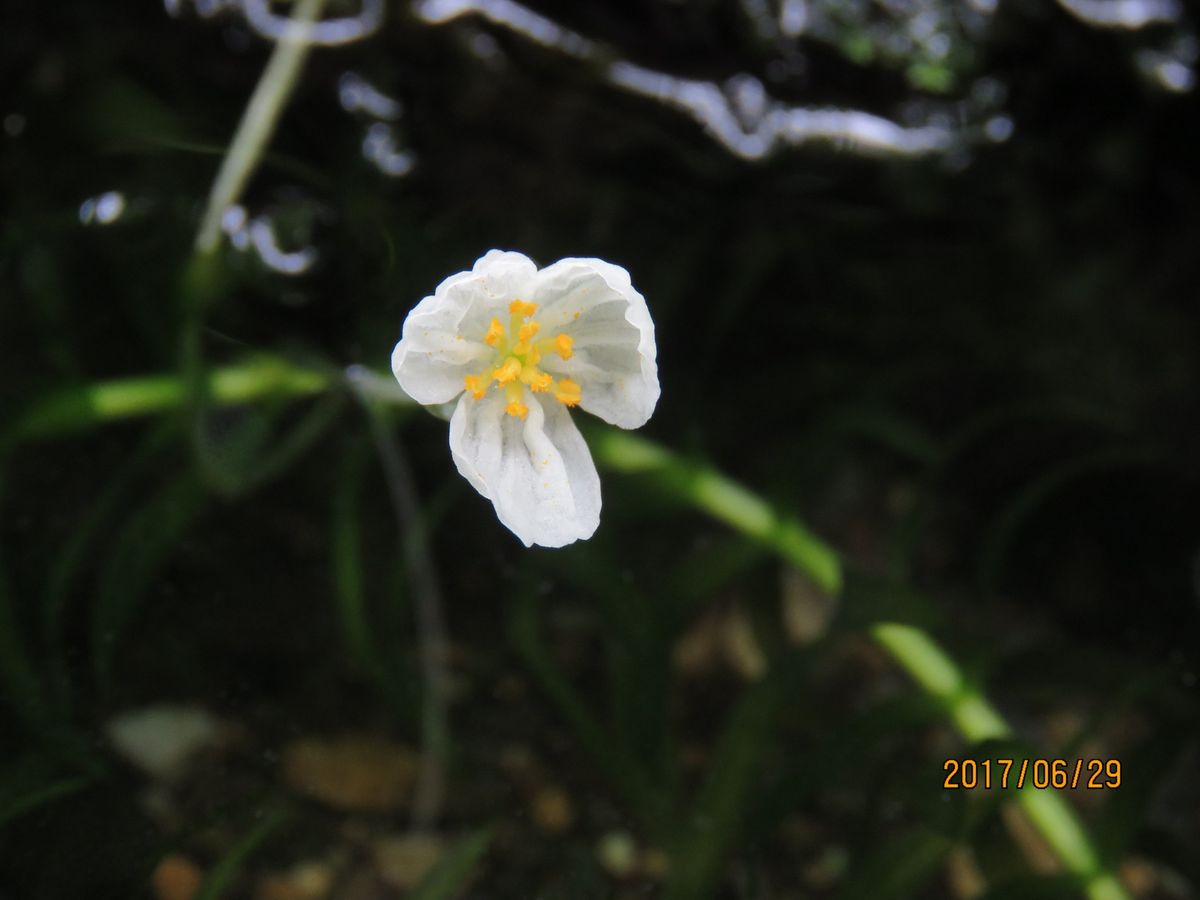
[
  {"x": 538, "y": 381},
  {"x": 563, "y": 344},
  {"x": 474, "y": 386},
  {"x": 507, "y": 371},
  {"x": 568, "y": 392},
  {"x": 520, "y": 410},
  {"x": 528, "y": 330},
  {"x": 521, "y": 308},
  {"x": 495, "y": 333}
]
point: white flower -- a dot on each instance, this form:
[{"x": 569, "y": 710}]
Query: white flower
[{"x": 517, "y": 346}]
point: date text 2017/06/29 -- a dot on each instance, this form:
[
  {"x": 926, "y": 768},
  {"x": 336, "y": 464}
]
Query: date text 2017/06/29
[{"x": 1091, "y": 774}]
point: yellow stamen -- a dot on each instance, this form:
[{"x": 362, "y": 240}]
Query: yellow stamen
[
  {"x": 568, "y": 392},
  {"x": 507, "y": 371},
  {"x": 495, "y": 333},
  {"x": 516, "y": 364},
  {"x": 474, "y": 385},
  {"x": 538, "y": 381}
]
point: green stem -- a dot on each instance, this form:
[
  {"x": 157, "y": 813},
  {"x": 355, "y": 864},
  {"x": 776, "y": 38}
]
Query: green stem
[
  {"x": 257, "y": 124},
  {"x": 915, "y": 651},
  {"x": 977, "y": 720},
  {"x": 81, "y": 407}
]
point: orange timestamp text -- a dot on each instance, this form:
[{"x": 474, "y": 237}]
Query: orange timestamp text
[{"x": 1091, "y": 774}]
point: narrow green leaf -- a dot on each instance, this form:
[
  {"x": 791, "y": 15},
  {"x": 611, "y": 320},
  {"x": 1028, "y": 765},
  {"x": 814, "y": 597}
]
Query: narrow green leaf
[
  {"x": 622, "y": 770},
  {"x": 221, "y": 878},
  {"x": 349, "y": 590}
]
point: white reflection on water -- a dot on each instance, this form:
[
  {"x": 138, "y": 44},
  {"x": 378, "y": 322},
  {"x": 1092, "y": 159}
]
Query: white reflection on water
[
  {"x": 380, "y": 147},
  {"x": 999, "y": 128},
  {"x": 793, "y": 17},
  {"x": 742, "y": 116},
  {"x": 1123, "y": 13},
  {"x": 103, "y": 209},
  {"x": 1174, "y": 69},
  {"x": 356, "y": 93},
  {"x": 777, "y": 123},
  {"x": 381, "y": 142},
  {"x": 327, "y": 32},
  {"x": 1169, "y": 72},
  {"x": 510, "y": 15},
  {"x": 245, "y": 233}
]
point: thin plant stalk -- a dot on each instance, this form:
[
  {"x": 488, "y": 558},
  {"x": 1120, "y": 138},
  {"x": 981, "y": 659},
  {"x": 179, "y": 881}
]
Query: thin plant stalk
[
  {"x": 430, "y": 792},
  {"x": 258, "y": 122}
]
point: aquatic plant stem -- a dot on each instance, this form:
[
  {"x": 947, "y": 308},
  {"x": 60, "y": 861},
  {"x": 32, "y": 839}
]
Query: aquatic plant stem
[
  {"x": 934, "y": 671},
  {"x": 258, "y": 122}
]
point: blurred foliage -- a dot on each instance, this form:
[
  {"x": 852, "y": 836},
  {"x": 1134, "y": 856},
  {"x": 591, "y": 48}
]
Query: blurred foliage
[{"x": 972, "y": 372}]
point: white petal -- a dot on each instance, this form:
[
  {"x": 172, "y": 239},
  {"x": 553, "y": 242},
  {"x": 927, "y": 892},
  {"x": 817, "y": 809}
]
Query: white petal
[
  {"x": 507, "y": 275},
  {"x": 538, "y": 473},
  {"x": 614, "y": 357},
  {"x": 442, "y": 338}
]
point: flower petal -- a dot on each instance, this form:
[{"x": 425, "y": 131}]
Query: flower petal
[
  {"x": 537, "y": 472},
  {"x": 614, "y": 354},
  {"x": 442, "y": 338}
]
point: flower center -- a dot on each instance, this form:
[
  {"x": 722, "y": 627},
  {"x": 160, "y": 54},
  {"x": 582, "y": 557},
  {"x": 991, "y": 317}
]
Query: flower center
[{"x": 515, "y": 366}]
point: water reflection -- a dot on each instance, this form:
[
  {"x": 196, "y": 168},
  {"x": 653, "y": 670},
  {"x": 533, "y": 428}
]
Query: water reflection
[
  {"x": 1174, "y": 68},
  {"x": 257, "y": 233},
  {"x": 103, "y": 209},
  {"x": 327, "y": 32},
  {"x": 356, "y": 93},
  {"x": 381, "y": 148},
  {"x": 510, "y": 15},
  {"x": 381, "y": 141},
  {"x": 793, "y": 17},
  {"x": 741, "y": 115},
  {"x": 999, "y": 128},
  {"x": 1123, "y": 13},
  {"x": 765, "y": 123}
]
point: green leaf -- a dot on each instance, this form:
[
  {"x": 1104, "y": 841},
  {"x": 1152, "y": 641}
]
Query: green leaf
[
  {"x": 623, "y": 770},
  {"x": 248, "y": 450},
  {"x": 223, "y": 874}
]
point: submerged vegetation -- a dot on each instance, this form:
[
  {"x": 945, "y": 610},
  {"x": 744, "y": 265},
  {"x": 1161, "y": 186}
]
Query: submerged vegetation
[{"x": 916, "y": 507}]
